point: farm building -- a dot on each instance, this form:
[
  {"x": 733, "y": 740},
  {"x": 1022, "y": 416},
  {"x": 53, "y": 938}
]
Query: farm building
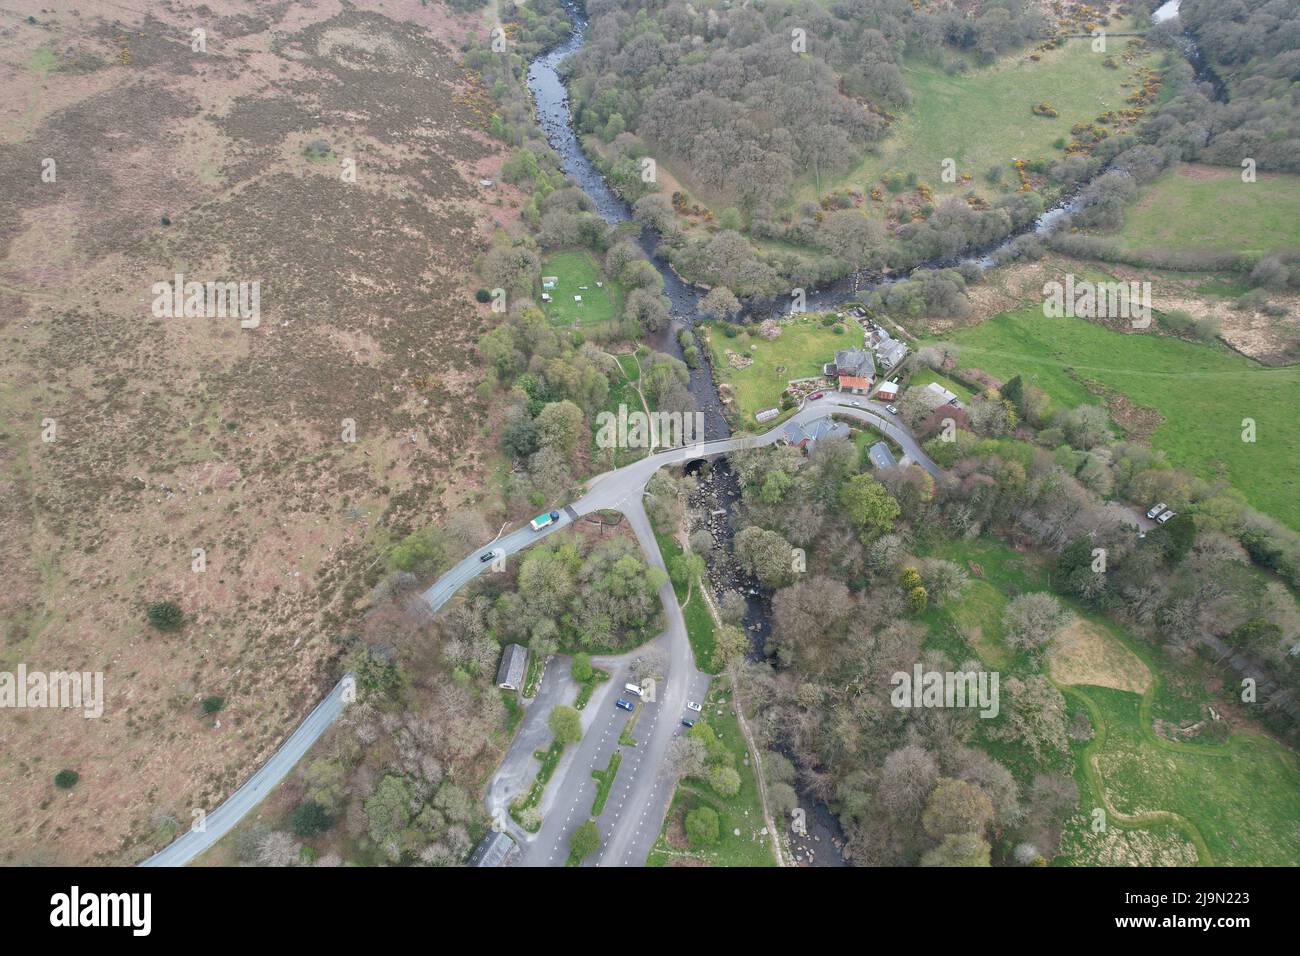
[
  {"x": 514, "y": 664},
  {"x": 947, "y": 397},
  {"x": 881, "y": 456},
  {"x": 887, "y": 392},
  {"x": 854, "y": 385}
]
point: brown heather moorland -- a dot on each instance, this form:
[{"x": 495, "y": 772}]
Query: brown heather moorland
[{"x": 174, "y": 434}]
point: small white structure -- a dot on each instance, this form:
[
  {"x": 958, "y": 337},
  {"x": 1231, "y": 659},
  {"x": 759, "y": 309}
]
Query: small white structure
[
  {"x": 486, "y": 183},
  {"x": 577, "y": 298},
  {"x": 767, "y": 414},
  {"x": 548, "y": 282},
  {"x": 546, "y": 297}
]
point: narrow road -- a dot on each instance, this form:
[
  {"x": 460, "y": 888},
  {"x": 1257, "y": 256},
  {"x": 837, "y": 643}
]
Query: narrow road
[{"x": 636, "y": 827}]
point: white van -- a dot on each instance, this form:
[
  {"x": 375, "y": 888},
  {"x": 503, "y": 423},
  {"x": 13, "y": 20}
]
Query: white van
[{"x": 632, "y": 689}]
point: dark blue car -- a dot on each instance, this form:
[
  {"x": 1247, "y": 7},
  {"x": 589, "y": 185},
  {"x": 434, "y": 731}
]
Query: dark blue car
[{"x": 625, "y": 704}]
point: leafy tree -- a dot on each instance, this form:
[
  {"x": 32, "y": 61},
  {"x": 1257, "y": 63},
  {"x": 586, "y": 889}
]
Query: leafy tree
[
  {"x": 766, "y": 555},
  {"x": 868, "y": 506},
  {"x": 165, "y": 616},
  {"x": 729, "y": 643},
  {"x": 959, "y": 849},
  {"x": 1175, "y": 537},
  {"x": 565, "y": 724},
  {"x": 917, "y": 600},
  {"x": 581, "y": 667},
  {"x": 212, "y": 704},
  {"x": 685, "y": 567},
  {"x": 720, "y": 303},
  {"x": 560, "y": 426},
  {"x": 388, "y": 809},
  {"x": 956, "y": 806},
  {"x": 724, "y": 780},
  {"x": 702, "y": 826},
  {"x": 584, "y": 841},
  {"x": 66, "y": 779}
]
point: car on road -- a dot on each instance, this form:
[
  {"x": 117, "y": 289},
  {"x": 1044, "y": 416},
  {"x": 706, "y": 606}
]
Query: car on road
[
  {"x": 891, "y": 409},
  {"x": 1156, "y": 509},
  {"x": 624, "y": 704},
  {"x": 542, "y": 520},
  {"x": 816, "y": 395},
  {"x": 1166, "y": 516},
  {"x": 692, "y": 705},
  {"x": 487, "y": 556}
]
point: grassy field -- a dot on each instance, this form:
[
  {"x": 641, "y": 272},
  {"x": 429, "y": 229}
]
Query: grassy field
[
  {"x": 699, "y": 622},
  {"x": 1231, "y": 803},
  {"x": 743, "y": 812},
  {"x": 624, "y": 392},
  {"x": 802, "y": 349},
  {"x": 1209, "y": 208},
  {"x": 924, "y": 376},
  {"x": 1202, "y": 392},
  {"x": 982, "y": 119},
  {"x": 1235, "y": 804},
  {"x": 574, "y": 270}
]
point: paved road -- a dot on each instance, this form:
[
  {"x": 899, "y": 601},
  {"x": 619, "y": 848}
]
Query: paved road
[
  {"x": 223, "y": 819},
  {"x": 647, "y": 794}
]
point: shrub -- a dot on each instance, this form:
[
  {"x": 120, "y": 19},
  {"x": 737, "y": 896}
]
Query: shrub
[
  {"x": 724, "y": 780},
  {"x": 66, "y": 779},
  {"x": 166, "y": 616},
  {"x": 212, "y": 704},
  {"x": 702, "y": 826},
  {"x": 483, "y": 295},
  {"x": 309, "y": 819}
]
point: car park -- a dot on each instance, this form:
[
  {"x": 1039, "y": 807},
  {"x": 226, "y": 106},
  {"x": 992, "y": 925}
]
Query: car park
[
  {"x": 1156, "y": 509},
  {"x": 624, "y": 704}
]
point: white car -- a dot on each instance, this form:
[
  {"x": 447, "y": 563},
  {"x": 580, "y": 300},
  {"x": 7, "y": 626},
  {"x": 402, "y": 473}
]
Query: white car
[
  {"x": 691, "y": 705},
  {"x": 855, "y": 403},
  {"x": 891, "y": 409},
  {"x": 1156, "y": 509},
  {"x": 1166, "y": 516}
]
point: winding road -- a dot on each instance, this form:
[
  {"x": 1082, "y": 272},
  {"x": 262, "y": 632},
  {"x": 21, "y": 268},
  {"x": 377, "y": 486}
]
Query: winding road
[{"x": 643, "y": 790}]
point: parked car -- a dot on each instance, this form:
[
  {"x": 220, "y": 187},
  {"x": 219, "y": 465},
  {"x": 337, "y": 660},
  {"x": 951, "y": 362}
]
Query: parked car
[
  {"x": 891, "y": 409},
  {"x": 624, "y": 704},
  {"x": 688, "y": 722},
  {"x": 1156, "y": 509},
  {"x": 816, "y": 395},
  {"x": 692, "y": 705},
  {"x": 487, "y": 556},
  {"x": 1166, "y": 516},
  {"x": 855, "y": 403},
  {"x": 634, "y": 689}
]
